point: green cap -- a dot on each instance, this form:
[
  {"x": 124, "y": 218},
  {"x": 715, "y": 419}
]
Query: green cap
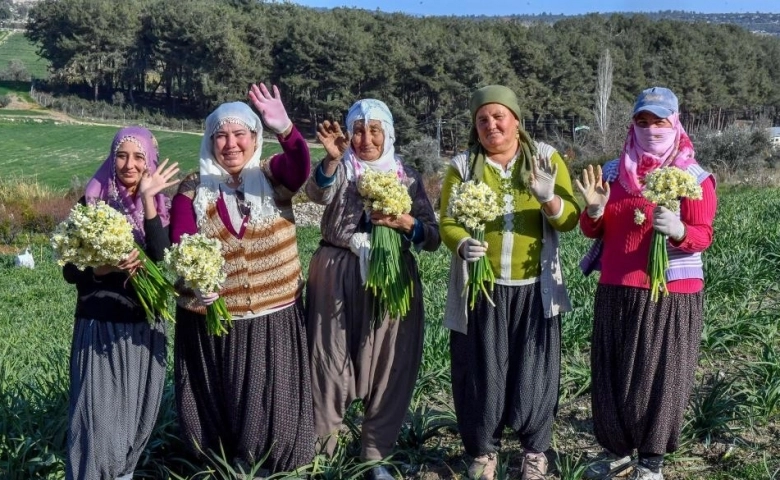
[{"x": 494, "y": 94}]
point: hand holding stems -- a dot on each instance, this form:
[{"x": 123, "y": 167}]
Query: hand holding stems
[
  {"x": 666, "y": 222},
  {"x": 403, "y": 222},
  {"x": 471, "y": 250},
  {"x": 335, "y": 142},
  {"x": 206, "y": 298},
  {"x": 152, "y": 184},
  {"x": 271, "y": 109},
  {"x": 129, "y": 265},
  {"x": 594, "y": 190}
]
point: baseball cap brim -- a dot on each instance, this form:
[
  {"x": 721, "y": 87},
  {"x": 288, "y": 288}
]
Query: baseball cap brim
[{"x": 656, "y": 110}]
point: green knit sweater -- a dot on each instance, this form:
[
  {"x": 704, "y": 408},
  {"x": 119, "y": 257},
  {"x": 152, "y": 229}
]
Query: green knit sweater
[{"x": 514, "y": 238}]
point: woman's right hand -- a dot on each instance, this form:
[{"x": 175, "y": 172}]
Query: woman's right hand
[
  {"x": 129, "y": 265},
  {"x": 472, "y": 250},
  {"x": 333, "y": 139},
  {"x": 206, "y": 299},
  {"x": 594, "y": 190}
]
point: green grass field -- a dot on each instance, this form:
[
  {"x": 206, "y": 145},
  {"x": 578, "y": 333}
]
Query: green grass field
[
  {"x": 16, "y": 47},
  {"x": 53, "y": 153},
  {"x": 731, "y": 429}
]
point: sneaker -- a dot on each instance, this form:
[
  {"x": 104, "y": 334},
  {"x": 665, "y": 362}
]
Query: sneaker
[
  {"x": 534, "y": 466},
  {"x": 612, "y": 465},
  {"x": 483, "y": 467},
  {"x": 381, "y": 473},
  {"x": 644, "y": 473}
]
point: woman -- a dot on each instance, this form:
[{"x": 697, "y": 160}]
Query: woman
[
  {"x": 644, "y": 353},
  {"x": 118, "y": 359},
  {"x": 353, "y": 355},
  {"x": 246, "y": 393},
  {"x": 506, "y": 359}
]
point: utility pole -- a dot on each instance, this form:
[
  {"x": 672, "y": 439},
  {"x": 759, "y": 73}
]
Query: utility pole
[{"x": 438, "y": 138}]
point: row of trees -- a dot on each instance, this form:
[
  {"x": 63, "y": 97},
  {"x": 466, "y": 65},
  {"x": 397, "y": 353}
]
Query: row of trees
[{"x": 190, "y": 55}]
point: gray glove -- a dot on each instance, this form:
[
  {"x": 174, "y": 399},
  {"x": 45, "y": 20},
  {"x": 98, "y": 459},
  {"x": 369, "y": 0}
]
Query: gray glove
[
  {"x": 472, "y": 250},
  {"x": 667, "y": 222}
]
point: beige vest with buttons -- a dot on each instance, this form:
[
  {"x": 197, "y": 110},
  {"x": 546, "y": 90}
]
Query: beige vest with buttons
[{"x": 263, "y": 269}]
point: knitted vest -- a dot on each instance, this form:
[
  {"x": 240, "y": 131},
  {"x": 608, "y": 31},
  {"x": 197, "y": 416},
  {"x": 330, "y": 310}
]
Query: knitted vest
[{"x": 263, "y": 269}]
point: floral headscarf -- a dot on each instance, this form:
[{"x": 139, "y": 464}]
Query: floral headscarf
[
  {"x": 258, "y": 192},
  {"x": 105, "y": 186}
]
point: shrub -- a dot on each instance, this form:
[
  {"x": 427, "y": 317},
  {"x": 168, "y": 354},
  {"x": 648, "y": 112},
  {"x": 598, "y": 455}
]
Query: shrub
[
  {"x": 734, "y": 149},
  {"x": 5, "y": 100},
  {"x": 422, "y": 154}
]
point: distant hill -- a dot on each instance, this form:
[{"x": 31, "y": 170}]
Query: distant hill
[{"x": 758, "y": 23}]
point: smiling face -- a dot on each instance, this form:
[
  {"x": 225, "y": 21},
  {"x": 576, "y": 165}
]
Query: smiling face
[
  {"x": 234, "y": 145},
  {"x": 369, "y": 142},
  {"x": 497, "y": 128},
  {"x": 130, "y": 164}
]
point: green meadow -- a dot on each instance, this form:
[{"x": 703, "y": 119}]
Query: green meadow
[{"x": 14, "y": 46}]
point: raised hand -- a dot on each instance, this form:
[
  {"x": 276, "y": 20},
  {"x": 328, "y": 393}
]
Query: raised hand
[
  {"x": 152, "y": 184},
  {"x": 271, "y": 108},
  {"x": 594, "y": 190},
  {"x": 543, "y": 179},
  {"x": 333, "y": 139}
]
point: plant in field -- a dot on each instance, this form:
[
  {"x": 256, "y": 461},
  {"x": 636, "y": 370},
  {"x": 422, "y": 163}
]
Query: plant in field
[
  {"x": 423, "y": 423},
  {"x": 713, "y": 409},
  {"x": 198, "y": 260},
  {"x": 664, "y": 187},
  {"x": 96, "y": 235},
  {"x": 569, "y": 466},
  {"x": 762, "y": 392},
  {"x": 388, "y": 277},
  {"x": 472, "y": 205}
]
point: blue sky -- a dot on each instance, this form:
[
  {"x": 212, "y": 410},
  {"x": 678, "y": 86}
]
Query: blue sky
[{"x": 568, "y": 7}]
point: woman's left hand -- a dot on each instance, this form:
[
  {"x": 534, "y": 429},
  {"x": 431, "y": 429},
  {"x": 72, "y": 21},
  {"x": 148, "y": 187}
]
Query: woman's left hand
[
  {"x": 152, "y": 184},
  {"x": 543, "y": 179},
  {"x": 403, "y": 222},
  {"x": 271, "y": 108}
]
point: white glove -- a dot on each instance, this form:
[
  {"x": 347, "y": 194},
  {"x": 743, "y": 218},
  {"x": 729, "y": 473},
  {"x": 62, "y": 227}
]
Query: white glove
[
  {"x": 543, "y": 179},
  {"x": 206, "y": 299},
  {"x": 270, "y": 107},
  {"x": 360, "y": 245},
  {"x": 471, "y": 250},
  {"x": 594, "y": 190},
  {"x": 667, "y": 222}
]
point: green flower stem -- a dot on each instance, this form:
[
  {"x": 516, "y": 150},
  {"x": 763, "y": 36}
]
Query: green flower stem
[
  {"x": 152, "y": 288},
  {"x": 480, "y": 274},
  {"x": 657, "y": 264},
  {"x": 388, "y": 278},
  {"x": 218, "y": 318}
]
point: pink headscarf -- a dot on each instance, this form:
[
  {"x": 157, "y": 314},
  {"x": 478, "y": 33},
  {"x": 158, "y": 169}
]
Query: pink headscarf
[
  {"x": 635, "y": 162},
  {"x": 105, "y": 186}
]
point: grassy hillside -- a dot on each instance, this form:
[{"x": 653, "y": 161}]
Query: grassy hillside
[
  {"x": 14, "y": 46},
  {"x": 53, "y": 153}
]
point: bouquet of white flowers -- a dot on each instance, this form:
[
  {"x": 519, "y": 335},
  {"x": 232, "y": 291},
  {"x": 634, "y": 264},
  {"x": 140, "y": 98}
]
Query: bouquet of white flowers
[
  {"x": 198, "y": 260},
  {"x": 664, "y": 187},
  {"x": 472, "y": 205},
  {"x": 388, "y": 277},
  {"x": 96, "y": 235}
]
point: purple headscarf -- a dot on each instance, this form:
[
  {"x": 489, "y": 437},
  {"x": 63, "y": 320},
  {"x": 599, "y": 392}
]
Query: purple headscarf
[{"x": 105, "y": 186}]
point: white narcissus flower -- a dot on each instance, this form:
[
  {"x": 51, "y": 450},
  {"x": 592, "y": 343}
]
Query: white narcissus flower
[
  {"x": 473, "y": 204},
  {"x": 639, "y": 217},
  {"x": 93, "y": 235},
  {"x": 198, "y": 260},
  {"x": 665, "y": 186},
  {"x": 383, "y": 192}
]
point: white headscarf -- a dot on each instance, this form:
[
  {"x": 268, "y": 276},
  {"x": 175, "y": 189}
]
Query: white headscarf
[
  {"x": 371, "y": 109},
  {"x": 258, "y": 192}
]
